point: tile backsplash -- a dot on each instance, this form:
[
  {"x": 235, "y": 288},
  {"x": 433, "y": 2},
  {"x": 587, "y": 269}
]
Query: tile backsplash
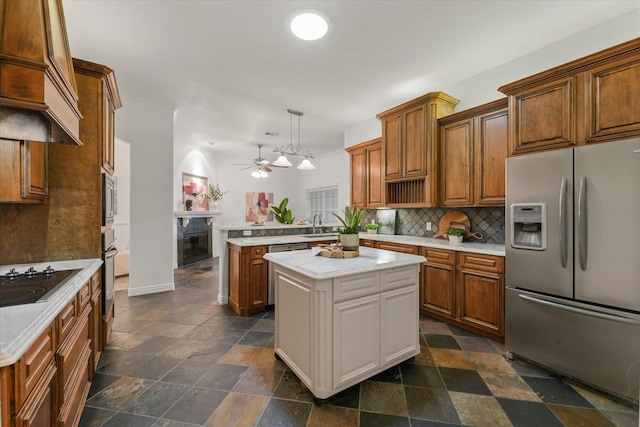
[{"x": 412, "y": 222}]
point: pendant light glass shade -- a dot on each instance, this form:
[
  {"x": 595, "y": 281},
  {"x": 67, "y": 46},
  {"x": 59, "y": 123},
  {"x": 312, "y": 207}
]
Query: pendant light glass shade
[
  {"x": 282, "y": 161},
  {"x": 306, "y": 165}
]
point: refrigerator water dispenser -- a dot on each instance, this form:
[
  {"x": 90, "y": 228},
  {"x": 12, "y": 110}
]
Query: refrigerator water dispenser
[{"x": 529, "y": 226}]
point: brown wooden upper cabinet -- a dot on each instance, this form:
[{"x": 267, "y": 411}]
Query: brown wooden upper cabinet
[
  {"x": 23, "y": 171},
  {"x": 410, "y": 151},
  {"x": 366, "y": 174},
  {"x": 593, "y": 99},
  {"x": 473, "y": 149},
  {"x": 100, "y": 98}
]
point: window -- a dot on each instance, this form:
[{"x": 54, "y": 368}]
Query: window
[{"x": 323, "y": 201}]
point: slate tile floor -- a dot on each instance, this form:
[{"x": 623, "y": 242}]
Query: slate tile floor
[{"x": 180, "y": 359}]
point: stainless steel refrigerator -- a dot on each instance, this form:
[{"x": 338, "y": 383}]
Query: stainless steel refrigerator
[{"x": 572, "y": 299}]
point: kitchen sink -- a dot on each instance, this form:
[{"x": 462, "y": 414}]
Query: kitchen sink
[{"x": 320, "y": 235}]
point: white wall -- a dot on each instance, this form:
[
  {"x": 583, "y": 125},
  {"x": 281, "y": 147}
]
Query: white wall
[
  {"x": 331, "y": 169},
  {"x": 122, "y": 220},
  {"x": 149, "y": 129}
]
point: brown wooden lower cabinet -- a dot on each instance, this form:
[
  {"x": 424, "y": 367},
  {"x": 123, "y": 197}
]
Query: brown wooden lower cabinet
[
  {"x": 368, "y": 243},
  {"x": 49, "y": 384},
  {"x": 398, "y": 247},
  {"x": 248, "y": 275},
  {"x": 465, "y": 289}
]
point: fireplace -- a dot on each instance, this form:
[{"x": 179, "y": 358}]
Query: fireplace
[{"x": 194, "y": 241}]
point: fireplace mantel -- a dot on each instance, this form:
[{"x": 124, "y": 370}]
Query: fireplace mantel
[{"x": 187, "y": 215}]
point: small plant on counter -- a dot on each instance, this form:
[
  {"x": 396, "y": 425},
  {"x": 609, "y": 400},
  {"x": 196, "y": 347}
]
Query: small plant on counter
[
  {"x": 281, "y": 213},
  {"x": 215, "y": 193},
  {"x": 455, "y": 232},
  {"x": 351, "y": 220},
  {"x": 372, "y": 227}
]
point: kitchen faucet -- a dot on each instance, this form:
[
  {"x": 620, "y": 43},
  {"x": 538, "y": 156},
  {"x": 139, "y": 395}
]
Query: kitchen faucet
[{"x": 314, "y": 222}]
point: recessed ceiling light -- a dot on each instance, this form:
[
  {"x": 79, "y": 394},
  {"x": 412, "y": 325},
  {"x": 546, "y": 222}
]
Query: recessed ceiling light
[{"x": 309, "y": 24}]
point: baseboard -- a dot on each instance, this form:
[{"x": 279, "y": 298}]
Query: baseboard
[
  {"x": 223, "y": 300},
  {"x": 154, "y": 289}
]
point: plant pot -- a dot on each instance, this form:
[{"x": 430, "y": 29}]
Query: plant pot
[
  {"x": 214, "y": 205},
  {"x": 372, "y": 231},
  {"x": 350, "y": 242},
  {"x": 455, "y": 240}
]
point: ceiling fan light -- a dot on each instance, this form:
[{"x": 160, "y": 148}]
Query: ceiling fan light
[
  {"x": 263, "y": 174},
  {"x": 255, "y": 174},
  {"x": 282, "y": 161},
  {"x": 306, "y": 165}
]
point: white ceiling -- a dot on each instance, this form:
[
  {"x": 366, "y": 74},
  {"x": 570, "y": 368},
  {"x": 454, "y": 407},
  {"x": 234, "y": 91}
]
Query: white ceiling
[{"x": 232, "y": 68}]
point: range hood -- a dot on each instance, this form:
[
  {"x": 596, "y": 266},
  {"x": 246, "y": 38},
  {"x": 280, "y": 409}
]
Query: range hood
[{"x": 38, "y": 94}]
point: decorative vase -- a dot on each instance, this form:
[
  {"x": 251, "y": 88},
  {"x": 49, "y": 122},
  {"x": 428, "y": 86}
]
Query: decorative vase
[
  {"x": 350, "y": 242},
  {"x": 214, "y": 205},
  {"x": 372, "y": 231},
  {"x": 455, "y": 240}
]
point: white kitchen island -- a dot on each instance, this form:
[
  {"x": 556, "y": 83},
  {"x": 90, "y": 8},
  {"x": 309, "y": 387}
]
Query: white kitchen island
[{"x": 341, "y": 321}]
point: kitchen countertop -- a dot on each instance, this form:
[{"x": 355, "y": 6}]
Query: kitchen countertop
[
  {"x": 318, "y": 267},
  {"x": 475, "y": 247},
  {"x": 21, "y": 325},
  {"x": 274, "y": 226}
]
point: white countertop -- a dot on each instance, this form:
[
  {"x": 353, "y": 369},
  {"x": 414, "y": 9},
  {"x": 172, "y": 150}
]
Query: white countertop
[
  {"x": 319, "y": 267},
  {"x": 21, "y": 325},
  {"x": 480, "y": 248},
  {"x": 273, "y": 225}
]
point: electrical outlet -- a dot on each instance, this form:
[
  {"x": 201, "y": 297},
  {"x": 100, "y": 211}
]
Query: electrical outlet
[
  {"x": 429, "y": 226},
  {"x": 246, "y": 232}
]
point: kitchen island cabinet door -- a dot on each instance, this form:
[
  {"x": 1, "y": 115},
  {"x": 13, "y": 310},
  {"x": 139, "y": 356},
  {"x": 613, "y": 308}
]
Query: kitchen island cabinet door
[
  {"x": 399, "y": 334},
  {"x": 356, "y": 339}
]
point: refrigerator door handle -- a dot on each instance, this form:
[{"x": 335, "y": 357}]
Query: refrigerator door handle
[
  {"x": 582, "y": 223},
  {"x": 578, "y": 310},
  {"x": 563, "y": 222}
]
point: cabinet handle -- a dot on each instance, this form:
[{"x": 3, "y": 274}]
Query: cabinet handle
[
  {"x": 582, "y": 223},
  {"x": 563, "y": 223}
]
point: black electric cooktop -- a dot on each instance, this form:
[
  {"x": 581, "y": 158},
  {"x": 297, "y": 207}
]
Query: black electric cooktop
[{"x": 31, "y": 286}]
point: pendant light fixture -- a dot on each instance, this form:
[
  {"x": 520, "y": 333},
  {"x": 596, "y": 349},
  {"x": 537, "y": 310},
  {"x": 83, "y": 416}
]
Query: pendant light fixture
[{"x": 292, "y": 150}]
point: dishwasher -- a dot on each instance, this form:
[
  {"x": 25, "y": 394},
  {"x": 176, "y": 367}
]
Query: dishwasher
[{"x": 271, "y": 280}]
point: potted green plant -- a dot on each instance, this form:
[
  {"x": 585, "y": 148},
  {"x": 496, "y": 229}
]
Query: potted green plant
[
  {"x": 349, "y": 233},
  {"x": 215, "y": 195},
  {"x": 281, "y": 213},
  {"x": 372, "y": 228},
  {"x": 455, "y": 235}
]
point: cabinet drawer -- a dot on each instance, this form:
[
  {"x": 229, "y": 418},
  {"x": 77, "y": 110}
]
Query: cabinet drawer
[
  {"x": 367, "y": 243},
  {"x": 31, "y": 366},
  {"x": 398, "y": 277},
  {"x": 73, "y": 402},
  {"x": 71, "y": 351},
  {"x": 481, "y": 262},
  {"x": 66, "y": 319},
  {"x": 84, "y": 295},
  {"x": 439, "y": 256},
  {"x": 397, "y": 247},
  {"x": 95, "y": 282},
  {"x": 257, "y": 251},
  {"x": 355, "y": 286}
]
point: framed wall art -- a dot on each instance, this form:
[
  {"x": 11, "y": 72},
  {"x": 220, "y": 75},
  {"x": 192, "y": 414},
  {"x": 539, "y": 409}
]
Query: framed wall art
[
  {"x": 259, "y": 207},
  {"x": 194, "y": 192}
]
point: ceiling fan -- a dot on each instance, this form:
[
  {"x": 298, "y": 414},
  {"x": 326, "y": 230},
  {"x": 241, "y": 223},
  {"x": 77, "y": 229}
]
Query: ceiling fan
[{"x": 260, "y": 165}]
